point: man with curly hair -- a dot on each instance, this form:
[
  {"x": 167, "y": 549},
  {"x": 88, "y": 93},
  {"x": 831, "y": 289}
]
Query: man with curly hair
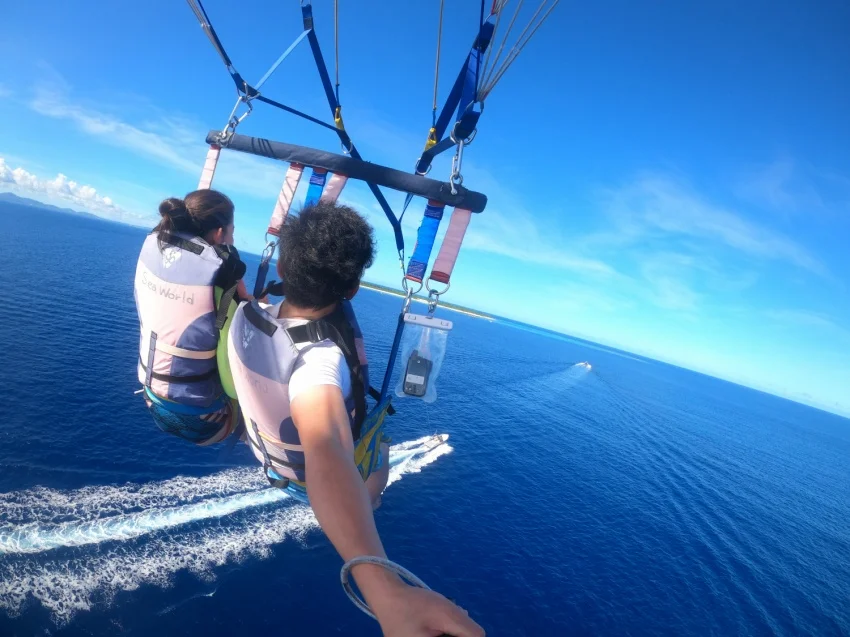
[{"x": 324, "y": 252}]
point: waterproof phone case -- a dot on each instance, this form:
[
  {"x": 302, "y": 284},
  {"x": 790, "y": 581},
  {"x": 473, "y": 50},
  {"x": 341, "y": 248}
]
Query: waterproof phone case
[{"x": 423, "y": 347}]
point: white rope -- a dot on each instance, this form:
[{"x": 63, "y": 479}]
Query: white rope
[
  {"x": 524, "y": 38},
  {"x": 439, "y": 42},
  {"x": 375, "y": 561},
  {"x": 485, "y": 69},
  {"x": 492, "y": 69}
]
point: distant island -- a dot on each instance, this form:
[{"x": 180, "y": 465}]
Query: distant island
[
  {"x": 12, "y": 198},
  {"x": 424, "y": 299}
]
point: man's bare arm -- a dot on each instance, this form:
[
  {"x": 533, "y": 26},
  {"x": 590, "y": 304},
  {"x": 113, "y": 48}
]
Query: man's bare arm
[
  {"x": 341, "y": 503},
  {"x": 337, "y": 493}
]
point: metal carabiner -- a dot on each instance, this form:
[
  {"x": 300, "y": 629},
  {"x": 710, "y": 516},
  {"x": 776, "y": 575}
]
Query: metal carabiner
[
  {"x": 405, "y": 308},
  {"x": 232, "y": 120},
  {"x": 456, "y": 178},
  {"x": 433, "y": 300},
  {"x": 268, "y": 251}
]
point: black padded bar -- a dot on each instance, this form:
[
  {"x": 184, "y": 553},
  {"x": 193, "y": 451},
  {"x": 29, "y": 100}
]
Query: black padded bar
[{"x": 354, "y": 169}]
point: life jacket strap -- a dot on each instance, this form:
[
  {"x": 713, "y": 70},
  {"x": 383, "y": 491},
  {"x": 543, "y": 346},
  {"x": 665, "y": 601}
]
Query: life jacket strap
[
  {"x": 229, "y": 274},
  {"x": 320, "y": 330},
  {"x": 179, "y": 242},
  {"x": 149, "y": 373},
  {"x": 185, "y": 353},
  {"x": 168, "y": 378},
  {"x": 278, "y": 482}
]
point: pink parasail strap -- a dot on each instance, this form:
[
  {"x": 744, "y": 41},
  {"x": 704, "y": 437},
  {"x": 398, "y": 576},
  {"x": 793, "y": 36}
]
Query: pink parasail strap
[
  {"x": 284, "y": 199},
  {"x": 333, "y": 188},
  {"x": 445, "y": 263},
  {"x": 208, "y": 172}
]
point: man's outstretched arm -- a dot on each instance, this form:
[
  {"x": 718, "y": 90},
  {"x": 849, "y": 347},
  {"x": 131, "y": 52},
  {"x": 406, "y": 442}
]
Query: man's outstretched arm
[{"x": 341, "y": 503}]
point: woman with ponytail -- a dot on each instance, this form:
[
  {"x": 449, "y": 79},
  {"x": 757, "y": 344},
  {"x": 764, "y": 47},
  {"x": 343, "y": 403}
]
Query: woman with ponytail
[{"x": 188, "y": 282}]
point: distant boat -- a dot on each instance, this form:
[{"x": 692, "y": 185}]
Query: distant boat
[{"x": 584, "y": 364}]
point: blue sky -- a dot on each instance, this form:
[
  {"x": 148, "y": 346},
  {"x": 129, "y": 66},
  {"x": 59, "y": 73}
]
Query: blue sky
[{"x": 666, "y": 178}]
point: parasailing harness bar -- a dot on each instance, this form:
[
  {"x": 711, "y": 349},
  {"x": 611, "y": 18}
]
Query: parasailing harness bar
[{"x": 353, "y": 168}]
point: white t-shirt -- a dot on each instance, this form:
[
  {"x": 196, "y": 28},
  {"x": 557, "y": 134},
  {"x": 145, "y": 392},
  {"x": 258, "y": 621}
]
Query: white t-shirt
[{"x": 324, "y": 363}]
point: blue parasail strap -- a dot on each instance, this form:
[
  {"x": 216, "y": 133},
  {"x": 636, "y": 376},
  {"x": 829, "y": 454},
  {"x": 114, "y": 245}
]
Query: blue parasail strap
[
  {"x": 418, "y": 263},
  {"x": 317, "y": 185},
  {"x": 333, "y": 102},
  {"x": 462, "y": 99}
]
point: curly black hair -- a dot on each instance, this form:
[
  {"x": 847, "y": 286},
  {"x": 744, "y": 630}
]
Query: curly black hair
[{"x": 324, "y": 251}]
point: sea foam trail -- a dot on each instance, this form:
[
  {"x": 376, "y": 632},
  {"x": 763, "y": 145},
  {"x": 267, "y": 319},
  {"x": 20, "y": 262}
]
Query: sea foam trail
[
  {"x": 66, "y": 582},
  {"x": 572, "y": 375},
  {"x": 97, "y": 505},
  {"x": 55, "y": 506}
]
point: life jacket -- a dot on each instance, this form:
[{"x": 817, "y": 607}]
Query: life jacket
[
  {"x": 263, "y": 355},
  {"x": 180, "y": 321}
]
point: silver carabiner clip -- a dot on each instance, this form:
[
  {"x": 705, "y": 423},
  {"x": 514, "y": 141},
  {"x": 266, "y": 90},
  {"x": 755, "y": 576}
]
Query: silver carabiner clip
[
  {"x": 268, "y": 251},
  {"x": 456, "y": 178},
  {"x": 405, "y": 308},
  {"x": 433, "y": 300}
]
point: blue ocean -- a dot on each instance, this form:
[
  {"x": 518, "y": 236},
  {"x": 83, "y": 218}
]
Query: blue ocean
[{"x": 629, "y": 498}]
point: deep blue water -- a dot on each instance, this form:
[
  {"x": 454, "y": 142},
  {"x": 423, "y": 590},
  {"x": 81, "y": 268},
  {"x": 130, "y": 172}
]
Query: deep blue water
[{"x": 636, "y": 498}]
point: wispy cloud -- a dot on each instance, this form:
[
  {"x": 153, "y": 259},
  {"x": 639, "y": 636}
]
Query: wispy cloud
[
  {"x": 164, "y": 148},
  {"x": 510, "y": 229},
  {"x": 657, "y": 208},
  {"x": 665, "y": 275},
  {"x": 790, "y": 187},
  {"x": 807, "y": 318},
  {"x": 81, "y": 196},
  {"x": 173, "y": 142}
]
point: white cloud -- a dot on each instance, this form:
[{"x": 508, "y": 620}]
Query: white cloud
[
  {"x": 788, "y": 186},
  {"x": 170, "y": 141},
  {"x": 655, "y": 208},
  {"x": 808, "y": 318},
  {"x": 80, "y": 196},
  {"x": 508, "y": 228},
  {"x": 668, "y": 287}
]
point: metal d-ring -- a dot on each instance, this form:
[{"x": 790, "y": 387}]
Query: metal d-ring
[
  {"x": 421, "y": 174},
  {"x": 433, "y": 291}
]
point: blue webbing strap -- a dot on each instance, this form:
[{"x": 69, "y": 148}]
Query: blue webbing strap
[
  {"x": 317, "y": 185},
  {"x": 425, "y": 241},
  {"x": 201, "y": 13},
  {"x": 281, "y": 59},
  {"x": 260, "y": 282},
  {"x": 294, "y": 111},
  {"x": 462, "y": 99},
  {"x": 241, "y": 85},
  {"x": 307, "y": 14},
  {"x": 399, "y": 330}
]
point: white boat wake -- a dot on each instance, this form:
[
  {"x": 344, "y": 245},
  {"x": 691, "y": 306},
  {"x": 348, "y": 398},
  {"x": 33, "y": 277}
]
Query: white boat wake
[{"x": 138, "y": 534}]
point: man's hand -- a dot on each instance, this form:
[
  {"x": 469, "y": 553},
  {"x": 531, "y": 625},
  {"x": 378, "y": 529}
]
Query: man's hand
[{"x": 408, "y": 611}]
